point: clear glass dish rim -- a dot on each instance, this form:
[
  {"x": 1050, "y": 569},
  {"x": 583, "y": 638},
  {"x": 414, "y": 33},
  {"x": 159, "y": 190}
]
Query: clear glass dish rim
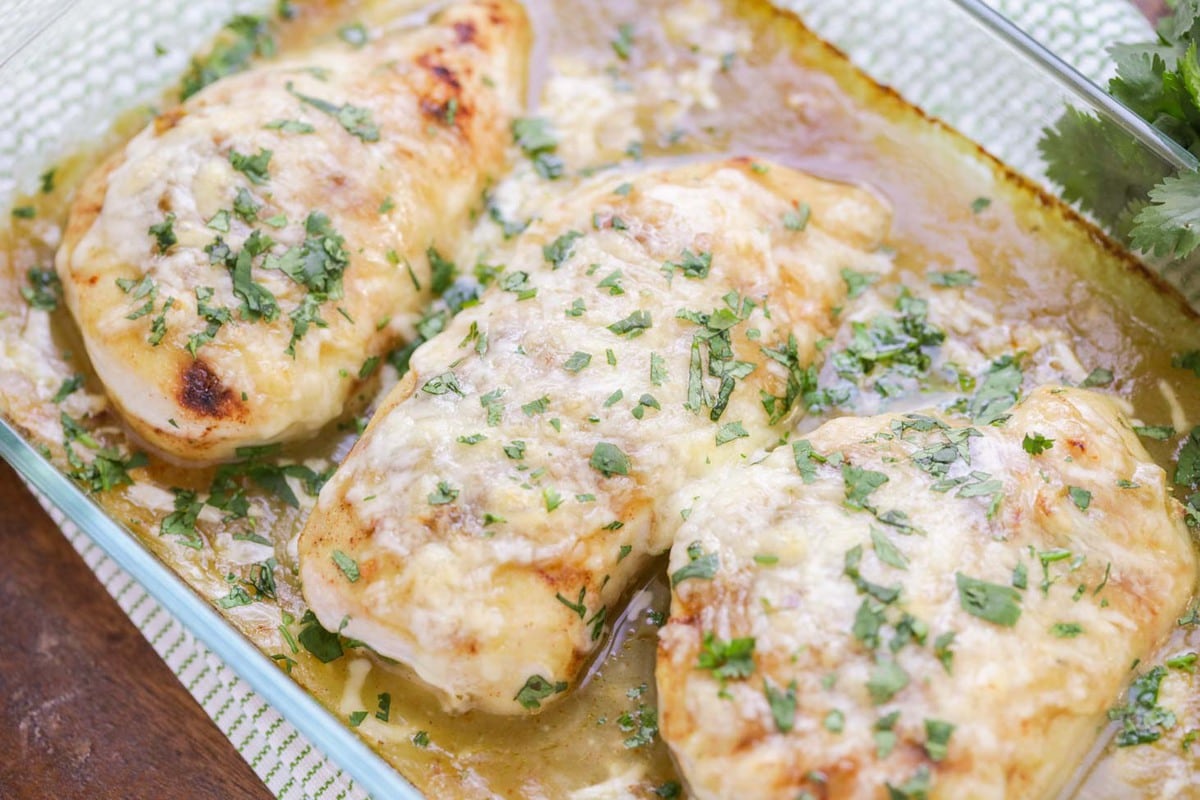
[{"x": 327, "y": 732}]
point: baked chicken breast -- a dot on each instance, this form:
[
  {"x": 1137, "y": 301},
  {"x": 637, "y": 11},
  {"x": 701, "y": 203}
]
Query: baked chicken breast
[
  {"x": 233, "y": 267},
  {"x": 910, "y": 606},
  {"x": 501, "y": 501}
]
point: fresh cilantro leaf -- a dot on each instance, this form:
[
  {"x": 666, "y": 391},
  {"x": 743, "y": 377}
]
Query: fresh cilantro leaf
[
  {"x": 783, "y": 705},
  {"x": 444, "y": 495},
  {"x": 164, "y": 233},
  {"x": 1170, "y": 224},
  {"x": 243, "y": 37},
  {"x": 958, "y": 277},
  {"x": 623, "y": 44},
  {"x": 536, "y": 138},
  {"x": 692, "y": 265},
  {"x": 887, "y": 552},
  {"x": 701, "y": 565},
  {"x": 860, "y": 483},
  {"x": 324, "y": 645},
  {"x": 633, "y": 325},
  {"x": 1080, "y": 497},
  {"x": 937, "y": 738},
  {"x": 729, "y": 660},
  {"x": 609, "y": 460},
  {"x": 885, "y": 681},
  {"x": 557, "y": 252},
  {"x": 857, "y": 282},
  {"x": 1100, "y": 376},
  {"x": 989, "y": 601},
  {"x": 537, "y": 689},
  {"x": 253, "y": 167},
  {"x": 347, "y": 565},
  {"x": 1159, "y": 433},
  {"x": 1142, "y": 720},
  {"x": 1189, "y": 360},
  {"x": 797, "y": 220},
  {"x": 731, "y": 431},
  {"x": 1035, "y": 444},
  {"x": 43, "y": 290},
  {"x": 998, "y": 391}
]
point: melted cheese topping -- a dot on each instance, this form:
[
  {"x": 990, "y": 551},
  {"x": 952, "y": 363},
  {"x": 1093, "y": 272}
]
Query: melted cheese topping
[
  {"x": 372, "y": 157},
  {"x": 509, "y": 490},
  {"x": 854, "y": 576}
]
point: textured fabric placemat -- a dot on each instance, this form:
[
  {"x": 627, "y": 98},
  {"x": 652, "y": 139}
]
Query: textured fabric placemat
[{"x": 953, "y": 82}]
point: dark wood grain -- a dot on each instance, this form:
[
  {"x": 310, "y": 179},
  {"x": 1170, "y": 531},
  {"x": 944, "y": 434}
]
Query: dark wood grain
[{"x": 87, "y": 709}]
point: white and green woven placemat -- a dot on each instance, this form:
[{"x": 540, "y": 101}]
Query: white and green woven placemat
[{"x": 60, "y": 72}]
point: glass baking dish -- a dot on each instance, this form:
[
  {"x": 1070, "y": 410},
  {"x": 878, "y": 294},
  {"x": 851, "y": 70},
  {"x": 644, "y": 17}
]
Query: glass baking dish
[{"x": 69, "y": 68}]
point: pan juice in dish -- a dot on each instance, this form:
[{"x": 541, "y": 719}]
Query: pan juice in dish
[{"x": 982, "y": 290}]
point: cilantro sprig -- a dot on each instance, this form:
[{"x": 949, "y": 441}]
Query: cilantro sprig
[{"x": 1108, "y": 173}]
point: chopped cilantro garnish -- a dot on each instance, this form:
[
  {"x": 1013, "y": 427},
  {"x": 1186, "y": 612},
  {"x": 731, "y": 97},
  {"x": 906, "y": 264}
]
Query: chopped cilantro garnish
[
  {"x": 857, "y": 282},
  {"x": 384, "y": 711},
  {"x": 886, "y": 551},
  {"x": 731, "y": 431},
  {"x": 578, "y": 606},
  {"x": 692, "y": 265},
  {"x": 446, "y": 383},
  {"x": 633, "y": 325},
  {"x": 535, "y": 407},
  {"x": 68, "y": 387},
  {"x": 557, "y": 252},
  {"x": 989, "y": 601},
  {"x": 1189, "y": 360},
  {"x": 444, "y": 495},
  {"x": 1160, "y": 433},
  {"x": 182, "y": 521},
  {"x": 624, "y": 41},
  {"x": 1097, "y": 377},
  {"x": 701, "y": 565},
  {"x": 1082, "y": 498},
  {"x": 958, "y": 277},
  {"x": 537, "y": 689},
  {"x": 1142, "y": 720},
  {"x": 1035, "y": 444},
  {"x": 998, "y": 391},
  {"x": 164, "y": 233},
  {"x": 535, "y": 137},
  {"x": 860, "y": 483},
  {"x": 885, "y": 681},
  {"x": 357, "y": 121},
  {"x": 290, "y": 126},
  {"x": 727, "y": 660},
  {"x": 937, "y": 738},
  {"x": 243, "y": 37},
  {"x": 324, "y": 645},
  {"x": 253, "y": 167},
  {"x": 783, "y": 705},
  {"x": 577, "y": 361},
  {"x": 797, "y": 220},
  {"x": 347, "y": 565},
  {"x": 609, "y": 460}
]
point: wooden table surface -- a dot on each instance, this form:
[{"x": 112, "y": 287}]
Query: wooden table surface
[{"x": 87, "y": 709}]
